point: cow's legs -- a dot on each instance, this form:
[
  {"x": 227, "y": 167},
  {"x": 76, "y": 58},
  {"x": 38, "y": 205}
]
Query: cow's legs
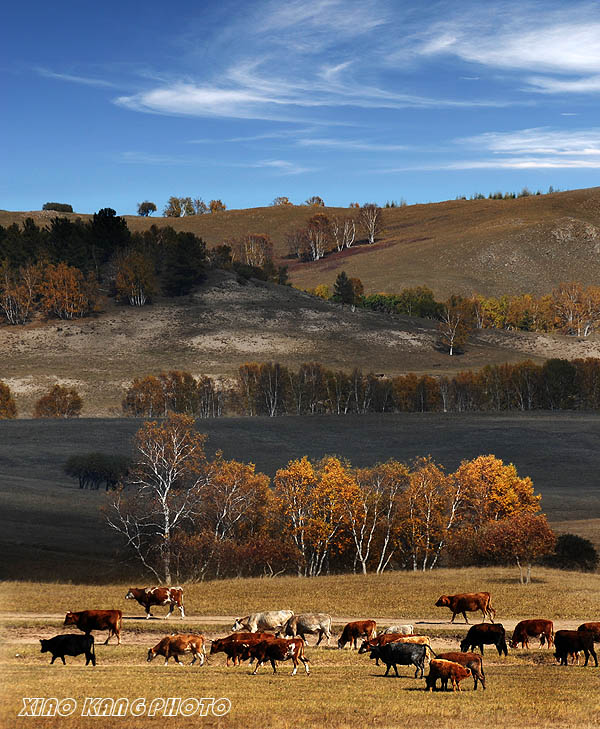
[
  {"x": 168, "y": 615},
  {"x": 181, "y": 610},
  {"x": 465, "y": 616}
]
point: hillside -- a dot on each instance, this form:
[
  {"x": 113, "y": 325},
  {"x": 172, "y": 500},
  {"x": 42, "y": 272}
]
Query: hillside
[
  {"x": 224, "y": 324},
  {"x": 493, "y": 247}
]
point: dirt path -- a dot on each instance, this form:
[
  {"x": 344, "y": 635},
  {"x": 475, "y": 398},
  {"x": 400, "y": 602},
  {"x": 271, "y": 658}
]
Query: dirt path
[{"x": 137, "y": 635}]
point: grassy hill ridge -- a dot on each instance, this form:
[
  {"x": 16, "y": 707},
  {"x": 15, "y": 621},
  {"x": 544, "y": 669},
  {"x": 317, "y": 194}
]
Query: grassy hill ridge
[{"x": 493, "y": 247}]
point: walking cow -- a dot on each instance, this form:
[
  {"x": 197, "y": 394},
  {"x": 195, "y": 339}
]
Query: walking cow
[
  {"x": 468, "y": 602},
  {"x": 149, "y": 596}
]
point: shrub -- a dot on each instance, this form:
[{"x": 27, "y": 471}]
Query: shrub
[
  {"x": 8, "y": 408},
  {"x": 58, "y": 207},
  {"x": 60, "y": 402},
  {"x": 573, "y": 552}
]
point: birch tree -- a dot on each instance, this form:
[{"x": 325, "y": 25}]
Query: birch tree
[{"x": 164, "y": 491}]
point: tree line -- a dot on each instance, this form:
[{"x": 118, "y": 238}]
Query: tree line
[
  {"x": 272, "y": 389},
  {"x": 187, "y": 517}
]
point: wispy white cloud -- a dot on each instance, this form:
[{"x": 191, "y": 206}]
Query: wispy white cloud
[
  {"x": 351, "y": 144},
  {"x": 284, "y": 167},
  {"x": 47, "y": 73},
  {"x": 553, "y": 85},
  {"x": 143, "y": 158}
]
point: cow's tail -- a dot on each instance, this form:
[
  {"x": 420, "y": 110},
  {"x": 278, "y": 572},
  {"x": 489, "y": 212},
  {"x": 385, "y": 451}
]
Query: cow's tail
[{"x": 433, "y": 653}]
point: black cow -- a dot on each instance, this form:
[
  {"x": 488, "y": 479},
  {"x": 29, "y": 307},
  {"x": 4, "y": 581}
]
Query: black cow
[
  {"x": 403, "y": 654},
  {"x": 70, "y": 644},
  {"x": 567, "y": 642},
  {"x": 485, "y": 634}
]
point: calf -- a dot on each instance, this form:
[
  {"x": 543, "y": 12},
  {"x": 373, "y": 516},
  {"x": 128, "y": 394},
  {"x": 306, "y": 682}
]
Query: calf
[
  {"x": 278, "y": 649},
  {"x": 70, "y": 644},
  {"x": 403, "y": 654},
  {"x": 445, "y": 671},
  {"x": 544, "y": 629},
  {"x": 176, "y": 645},
  {"x": 569, "y": 642},
  {"x": 355, "y": 630},
  {"x": 472, "y": 661},
  {"x": 593, "y": 628},
  {"x": 485, "y": 634},
  {"x": 88, "y": 620}
]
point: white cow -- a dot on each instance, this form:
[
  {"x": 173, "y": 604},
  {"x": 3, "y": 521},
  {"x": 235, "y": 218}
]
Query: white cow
[
  {"x": 270, "y": 620},
  {"x": 313, "y": 623},
  {"x": 401, "y": 629}
]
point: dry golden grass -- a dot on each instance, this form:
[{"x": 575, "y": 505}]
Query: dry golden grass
[
  {"x": 343, "y": 690},
  {"x": 394, "y": 595}
]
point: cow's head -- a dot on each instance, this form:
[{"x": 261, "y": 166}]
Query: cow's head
[
  {"x": 375, "y": 652},
  {"x": 130, "y": 595},
  {"x": 290, "y": 652},
  {"x": 238, "y": 625},
  {"x": 465, "y": 645},
  {"x": 365, "y": 646},
  {"x": 44, "y": 644},
  {"x": 443, "y": 601},
  {"x": 151, "y": 654},
  {"x": 70, "y": 619}
]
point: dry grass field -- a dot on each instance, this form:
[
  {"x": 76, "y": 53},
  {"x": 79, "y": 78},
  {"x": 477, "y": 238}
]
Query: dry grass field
[
  {"x": 344, "y": 689},
  {"x": 490, "y": 246}
]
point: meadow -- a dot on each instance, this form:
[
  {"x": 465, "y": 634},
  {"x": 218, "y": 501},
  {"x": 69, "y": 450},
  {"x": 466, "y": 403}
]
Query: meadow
[{"x": 344, "y": 689}]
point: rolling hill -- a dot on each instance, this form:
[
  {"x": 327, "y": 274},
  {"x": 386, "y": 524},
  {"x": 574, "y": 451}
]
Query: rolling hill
[{"x": 492, "y": 247}]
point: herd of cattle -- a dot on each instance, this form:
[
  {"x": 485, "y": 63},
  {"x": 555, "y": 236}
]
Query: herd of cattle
[{"x": 256, "y": 637}]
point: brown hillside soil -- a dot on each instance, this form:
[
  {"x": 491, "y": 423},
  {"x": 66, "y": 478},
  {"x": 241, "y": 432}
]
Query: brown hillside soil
[
  {"x": 492, "y": 247},
  {"x": 224, "y": 324}
]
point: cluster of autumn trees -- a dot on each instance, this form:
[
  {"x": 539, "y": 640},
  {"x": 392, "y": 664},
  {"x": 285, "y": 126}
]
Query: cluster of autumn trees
[
  {"x": 59, "y": 401},
  {"x": 61, "y": 270},
  {"x": 187, "y": 517},
  {"x": 571, "y": 308},
  {"x": 322, "y": 234}
]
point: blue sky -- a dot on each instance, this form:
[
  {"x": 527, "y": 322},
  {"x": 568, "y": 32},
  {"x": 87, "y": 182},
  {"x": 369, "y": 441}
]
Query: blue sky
[{"x": 112, "y": 103}]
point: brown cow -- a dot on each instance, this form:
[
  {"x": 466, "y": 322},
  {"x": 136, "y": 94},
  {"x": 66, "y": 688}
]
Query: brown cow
[
  {"x": 446, "y": 670},
  {"x": 593, "y": 628},
  {"x": 88, "y": 620},
  {"x": 535, "y": 628},
  {"x": 148, "y": 596},
  {"x": 570, "y": 642},
  {"x": 178, "y": 644},
  {"x": 234, "y": 646},
  {"x": 473, "y": 661},
  {"x": 278, "y": 649},
  {"x": 355, "y": 630},
  {"x": 468, "y": 602}
]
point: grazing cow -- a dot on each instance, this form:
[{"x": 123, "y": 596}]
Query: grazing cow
[
  {"x": 384, "y": 639},
  {"x": 569, "y": 642},
  {"x": 472, "y": 661},
  {"x": 485, "y": 634},
  {"x": 149, "y": 596},
  {"x": 593, "y": 628},
  {"x": 313, "y": 623},
  {"x": 278, "y": 649},
  {"x": 468, "y": 602},
  {"x": 270, "y": 620},
  {"x": 234, "y": 645},
  {"x": 88, "y": 620},
  {"x": 403, "y": 654},
  {"x": 446, "y": 670},
  {"x": 70, "y": 644},
  {"x": 401, "y": 629},
  {"x": 538, "y": 628},
  {"x": 178, "y": 644},
  {"x": 355, "y": 630}
]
